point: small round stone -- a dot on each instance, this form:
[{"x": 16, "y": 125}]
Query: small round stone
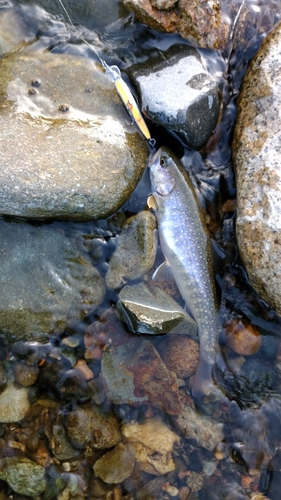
[
  {"x": 35, "y": 83},
  {"x": 180, "y": 354},
  {"x": 242, "y": 337},
  {"x": 32, "y": 91},
  {"x": 63, "y": 107},
  {"x": 26, "y": 375}
]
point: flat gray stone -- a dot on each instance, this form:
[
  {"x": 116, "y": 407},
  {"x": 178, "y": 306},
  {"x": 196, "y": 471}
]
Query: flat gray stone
[
  {"x": 178, "y": 93},
  {"x": 45, "y": 282},
  {"x": 64, "y": 152},
  {"x": 256, "y": 155}
]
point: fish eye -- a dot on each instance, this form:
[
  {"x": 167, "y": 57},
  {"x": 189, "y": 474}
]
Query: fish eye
[{"x": 165, "y": 161}]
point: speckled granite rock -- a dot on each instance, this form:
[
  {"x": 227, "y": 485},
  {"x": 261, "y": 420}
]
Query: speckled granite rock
[
  {"x": 256, "y": 154},
  {"x": 135, "y": 252},
  {"x": 65, "y": 152},
  {"x": 178, "y": 93},
  {"x": 46, "y": 283}
]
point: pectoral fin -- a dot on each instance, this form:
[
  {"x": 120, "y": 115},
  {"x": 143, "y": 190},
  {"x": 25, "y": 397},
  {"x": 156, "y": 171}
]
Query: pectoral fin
[
  {"x": 151, "y": 202},
  {"x": 163, "y": 272}
]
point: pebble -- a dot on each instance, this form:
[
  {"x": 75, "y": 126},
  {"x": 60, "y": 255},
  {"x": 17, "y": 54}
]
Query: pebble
[
  {"x": 14, "y": 403},
  {"x": 24, "y": 476},
  {"x": 116, "y": 465},
  {"x": 180, "y": 354},
  {"x": 242, "y": 337},
  {"x": 93, "y": 427},
  {"x": 26, "y": 375},
  {"x": 153, "y": 443},
  {"x": 135, "y": 252}
]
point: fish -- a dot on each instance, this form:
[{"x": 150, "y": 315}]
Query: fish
[{"x": 186, "y": 245}]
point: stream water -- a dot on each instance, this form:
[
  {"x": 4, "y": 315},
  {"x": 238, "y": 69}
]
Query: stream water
[{"x": 248, "y": 461}]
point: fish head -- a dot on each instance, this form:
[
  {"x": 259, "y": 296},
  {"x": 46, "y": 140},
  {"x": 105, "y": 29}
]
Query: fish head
[{"x": 163, "y": 172}]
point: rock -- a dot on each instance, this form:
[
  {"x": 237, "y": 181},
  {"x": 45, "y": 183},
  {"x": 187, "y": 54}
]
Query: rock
[
  {"x": 116, "y": 465},
  {"x": 256, "y": 155},
  {"x": 65, "y": 153},
  {"x": 93, "y": 427},
  {"x": 24, "y": 476},
  {"x": 26, "y": 375},
  {"x": 217, "y": 24},
  {"x": 46, "y": 283},
  {"x": 14, "y": 404},
  {"x": 150, "y": 313},
  {"x": 180, "y": 354},
  {"x": 153, "y": 443},
  {"x": 134, "y": 373},
  {"x": 59, "y": 444},
  {"x": 135, "y": 252},
  {"x": 202, "y": 429},
  {"x": 178, "y": 93},
  {"x": 242, "y": 337},
  {"x": 13, "y": 31}
]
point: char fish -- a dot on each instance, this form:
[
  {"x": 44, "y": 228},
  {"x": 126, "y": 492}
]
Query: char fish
[{"x": 186, "y": 245}]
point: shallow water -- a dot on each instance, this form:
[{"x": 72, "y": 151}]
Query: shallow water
[{"x": 248, "y": 459}]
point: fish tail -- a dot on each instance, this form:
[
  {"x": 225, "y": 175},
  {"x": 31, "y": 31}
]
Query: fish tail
[{"x": 204, "y": 386}]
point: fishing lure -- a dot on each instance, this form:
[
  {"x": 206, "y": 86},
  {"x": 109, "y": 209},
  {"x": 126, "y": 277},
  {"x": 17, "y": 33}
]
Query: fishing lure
[{"x": 126, "y": 96}]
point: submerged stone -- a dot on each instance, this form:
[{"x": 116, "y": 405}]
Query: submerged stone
[
  {"x": 134, "y": 373},
  {"x": 153, "y": 443},
  {"x": 13, "y": 31},
  {"x": 65, "y": 153},
  {"x": 93, "y": 427},
  {"x": 149, "y": 313},
  {"x": 14, "y": 403},
  {"x": 178, "y": 93},
  {"x": 24, "y": 476},
  {"x": 136, "y": 250},
  {"x": 116, "y": 465},
  {"x": 205, "y": 431},
  {"x": 180, "y": 354},
  {"x": 46, "y": 283}
]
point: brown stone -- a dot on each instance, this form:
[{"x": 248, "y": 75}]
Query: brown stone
[
  {"x": 242, "y": 337},
  {"x": 180, "y": 354}
]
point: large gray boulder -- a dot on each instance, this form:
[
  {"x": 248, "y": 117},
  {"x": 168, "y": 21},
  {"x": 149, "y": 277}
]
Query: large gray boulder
[
  {"x": 66, "y": 148},
  {"x": 256, "y": 154}
]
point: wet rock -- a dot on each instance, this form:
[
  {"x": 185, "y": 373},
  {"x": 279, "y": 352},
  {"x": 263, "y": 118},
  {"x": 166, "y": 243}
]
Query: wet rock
[
  {"x": 208, "y": 24},
  {"x": 26, "y": 375},
  {"x": 195, "y": 481},
  {"x": 153, "y": 443},
  {"x": 14, "y": 404},
  {"x": 79, "y": 163},
  {"x": 150, "y": 312},
  {"x": 93, "y": 427},
  {"x": 242, "y": 337},
  {"x": 257, "y": 377},
  {"x": 13, "y": 31},
  {"x": 178, "y": 93},
  {"x": 256, "y": 158},
  {"x": 135, "y": 252},
  {"x": 206, "y": 432},
  {"x": 46, "y": 284},
  {"x": 180, "y": 354},
  {"x": 59, "y": 444},
  {"x": 116, "y": 465},
  {"x": 24, "y": 476},
  {"x": 134, "y": 373}
]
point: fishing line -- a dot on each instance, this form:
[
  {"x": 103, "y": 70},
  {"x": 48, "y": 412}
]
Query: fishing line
[{"x": 113, "y": 73}]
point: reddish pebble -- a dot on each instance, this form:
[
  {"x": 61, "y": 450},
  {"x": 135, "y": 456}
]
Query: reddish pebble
[
  {"x": 180, "y": 355},
  {"x": 242, "y": 337}
]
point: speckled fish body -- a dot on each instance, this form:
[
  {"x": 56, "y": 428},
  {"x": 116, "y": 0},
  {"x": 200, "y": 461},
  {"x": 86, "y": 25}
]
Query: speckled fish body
[{"x": 186, "y": 246}]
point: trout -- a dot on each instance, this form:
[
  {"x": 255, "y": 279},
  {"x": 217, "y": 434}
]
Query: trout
[{"x": 186, "y": 246}]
